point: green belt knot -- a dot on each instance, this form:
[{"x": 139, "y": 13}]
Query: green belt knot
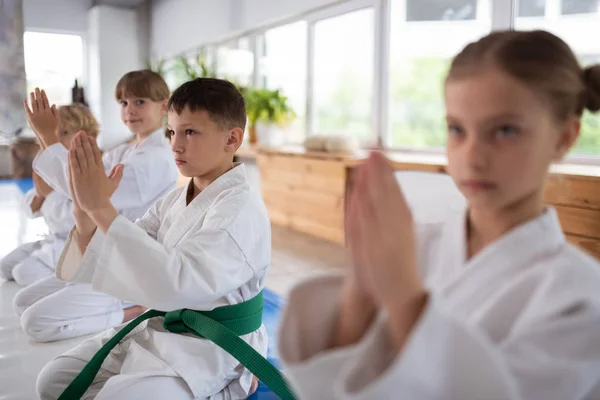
[{"x": 174, "y": 323}]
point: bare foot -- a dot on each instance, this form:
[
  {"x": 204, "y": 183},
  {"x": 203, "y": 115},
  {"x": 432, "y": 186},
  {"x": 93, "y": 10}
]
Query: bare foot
[
  {"x": 254, "y": 386},
  {"x": 133, "y": 312}
]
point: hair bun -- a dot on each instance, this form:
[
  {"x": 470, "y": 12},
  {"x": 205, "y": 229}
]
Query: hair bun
[{"x": 591, "y": 76}]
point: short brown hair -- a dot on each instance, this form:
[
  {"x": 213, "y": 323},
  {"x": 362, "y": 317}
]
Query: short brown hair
[
  {"x": 143, "y": 84},
  {"x": 79, "y": 118},
  {"x": 219, "y": 98},
  {"x": 541, "y": 61}
]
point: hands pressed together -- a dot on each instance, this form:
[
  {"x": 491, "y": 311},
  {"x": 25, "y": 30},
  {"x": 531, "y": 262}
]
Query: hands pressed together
[
  {"x": 90, "y": 187},
  {"x": 381, "y": 240}
]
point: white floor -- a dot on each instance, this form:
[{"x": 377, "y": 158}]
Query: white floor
[{"x": 295, "y": 257}]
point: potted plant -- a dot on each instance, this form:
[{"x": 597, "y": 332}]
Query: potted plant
[
  {"x": 268, "y": 114},
  {"x": 190, "y": 69}
]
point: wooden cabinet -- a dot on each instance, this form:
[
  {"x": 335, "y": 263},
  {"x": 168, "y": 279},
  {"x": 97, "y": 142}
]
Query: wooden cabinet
[
  {"x": 304, "y": 193},
  {"x": 577, "y": 201}
]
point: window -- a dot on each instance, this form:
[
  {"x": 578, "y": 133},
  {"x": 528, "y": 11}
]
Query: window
[
  {"x": 532, "y": 8},
  {"x": 420, "y": 54},
  {"x": 581, "y": 35},
  {"x": 53, "y": 62},
  {"x": 343, "y": 74},
  {"x": 339, "y": 88},
  {"x": 436, "y": 10},
  {"x": 580, "y": 6},
  {"x": 283, "y": 66},
  {"x": 235, "y": 61},
  {"x": 189, "y": 66}
]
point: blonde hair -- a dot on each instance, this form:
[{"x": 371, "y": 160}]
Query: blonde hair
[
  {"x": 79, "y": 118},
  {"x": 142, "y": 84}
]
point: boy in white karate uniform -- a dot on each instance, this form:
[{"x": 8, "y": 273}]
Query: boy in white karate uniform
[
  {"x": 36, "y": 260},
  {"x": 203, "y": 246},
  {"x": 144, "y": 171},
  {"x": 492, "y": 304}
]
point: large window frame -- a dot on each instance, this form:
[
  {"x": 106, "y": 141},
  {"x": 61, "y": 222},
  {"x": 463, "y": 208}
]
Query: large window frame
[
  {"x": 83, "y": 79},
  {"x": 503, "y": 16}
]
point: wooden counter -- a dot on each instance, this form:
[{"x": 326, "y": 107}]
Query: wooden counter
[
  {"x": 305, "y": 193},
  {"x": 305, "y": 190}
]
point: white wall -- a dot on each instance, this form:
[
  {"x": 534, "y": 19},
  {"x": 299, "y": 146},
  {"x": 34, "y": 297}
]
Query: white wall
[
  {"x": 114, "y": 50},
  {"x": 180, "y": 25},
  {"x": 432, "y": 197},
  {"x": 67, "y": 16},
  {"x": 259, "y": 12}
]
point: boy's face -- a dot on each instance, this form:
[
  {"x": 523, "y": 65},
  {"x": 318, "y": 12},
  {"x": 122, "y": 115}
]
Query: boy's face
[
  {"x": 200, "y": 146},
  {"x": 142, "y": 116}
]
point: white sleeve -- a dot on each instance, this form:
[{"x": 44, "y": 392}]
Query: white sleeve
[
  {"x": 71, "y": 257},
  {"x": 442, "y": 359},
  {"x": 554, "y": 358},
  {"x": 129, "y": 264},
  {"x": 52, "y": 165},
  {"x": 143, "y": 180},
  {"x": 306, "y": 329},
  {"x": 58, "y": 213},
  {"x": 26, "y": 204}
]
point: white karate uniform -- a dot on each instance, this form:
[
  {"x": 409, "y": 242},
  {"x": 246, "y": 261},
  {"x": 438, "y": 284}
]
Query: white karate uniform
[
  {"x": 520, "y": 320},
  {"x": 149, "y": 174},
  {"x": 36, "y": 260},
  {"x": 213, "y": 252},
  {"x": 51, "y": 309}
]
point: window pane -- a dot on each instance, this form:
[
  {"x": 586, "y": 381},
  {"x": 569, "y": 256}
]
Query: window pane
[
  {"x": 283, "y": 66},
  {"x": 436, "y": 10},
  {"x": 53, "y": 62},
  {"x": 579, "y": 6},
  {"x": 235, "y": 62},
  {"x": 532, "y": 8},
  {"x": 420, "y": 54},
  {"x": 343, "y": 74},
  {"x": 581, "y": 32},
  {"x": 189, "y": 66}
]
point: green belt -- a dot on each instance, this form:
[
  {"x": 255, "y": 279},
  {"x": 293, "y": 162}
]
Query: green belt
[{"x": 222, "y": 326}]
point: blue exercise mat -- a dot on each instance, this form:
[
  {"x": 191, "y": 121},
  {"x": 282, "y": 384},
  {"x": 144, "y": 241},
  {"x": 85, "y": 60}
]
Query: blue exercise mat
[{"x": 273, "y": 306}]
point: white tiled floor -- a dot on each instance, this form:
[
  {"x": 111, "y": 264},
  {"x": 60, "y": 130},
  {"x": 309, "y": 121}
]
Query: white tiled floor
[{"x": 295, "y": 257}]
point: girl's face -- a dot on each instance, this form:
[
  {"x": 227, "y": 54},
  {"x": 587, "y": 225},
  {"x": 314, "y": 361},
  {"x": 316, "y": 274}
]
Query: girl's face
[{"x": 502, "y": 138}]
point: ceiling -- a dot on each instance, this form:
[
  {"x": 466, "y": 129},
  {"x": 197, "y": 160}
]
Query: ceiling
[{"x": 120, "y": 3}]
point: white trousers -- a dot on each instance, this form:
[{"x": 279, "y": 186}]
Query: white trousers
[
  {"x": 107, "y": 385},
  {"x": 123, "y": 376},
  {"x": 22, "y": 267},
  {"x": 52, "y": 310}
]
